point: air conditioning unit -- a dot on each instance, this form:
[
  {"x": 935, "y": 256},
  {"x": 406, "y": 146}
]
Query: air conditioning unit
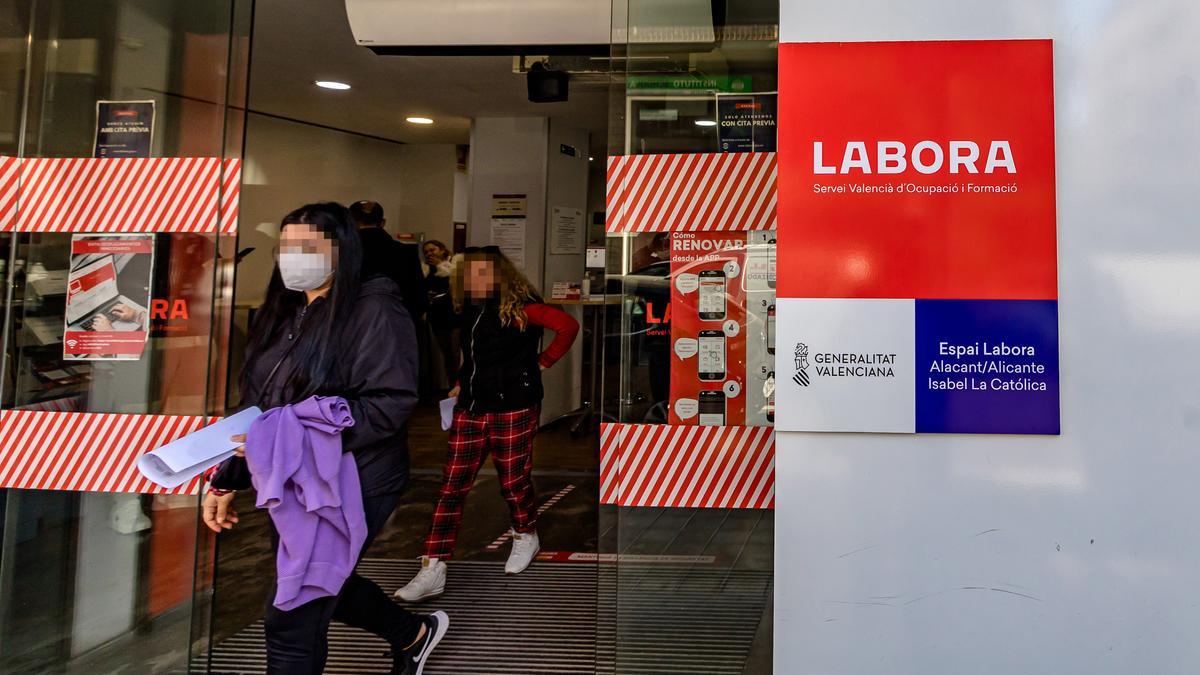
[{"x": 461, "y": 27}]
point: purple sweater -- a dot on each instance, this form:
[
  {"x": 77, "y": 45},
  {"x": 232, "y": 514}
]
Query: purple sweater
[{"x": 312, "y": 492}]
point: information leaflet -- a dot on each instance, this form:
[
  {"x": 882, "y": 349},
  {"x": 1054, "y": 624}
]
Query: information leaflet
[
  {"x": 108, "y": 296},
  {"x": 123, "y": 128}
]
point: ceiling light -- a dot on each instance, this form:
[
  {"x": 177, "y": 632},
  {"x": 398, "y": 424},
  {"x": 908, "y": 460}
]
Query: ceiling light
[
  {"x": 332, "y": 84},
  {"x": 418, "y": 120},
  {"x": 705, "y": 123},
  {"x": 591, "y": 159}
]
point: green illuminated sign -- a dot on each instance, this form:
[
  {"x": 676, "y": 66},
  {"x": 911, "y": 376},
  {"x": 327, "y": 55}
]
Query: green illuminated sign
[{"x": 689, "y": 82}]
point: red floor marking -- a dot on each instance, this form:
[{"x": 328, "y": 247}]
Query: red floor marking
[
  {"x": 582, "y": 557},
  {"x": 541, "y": 509}
]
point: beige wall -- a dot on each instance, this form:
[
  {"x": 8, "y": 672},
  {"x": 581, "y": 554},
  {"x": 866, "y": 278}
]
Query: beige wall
[{"x": 289, "y": 164}]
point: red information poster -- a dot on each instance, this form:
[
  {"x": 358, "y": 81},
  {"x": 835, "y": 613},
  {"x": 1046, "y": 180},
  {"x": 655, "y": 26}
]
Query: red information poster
[
  {"x": 708, "y": 336},
  {"x": 108, "y": 295}
]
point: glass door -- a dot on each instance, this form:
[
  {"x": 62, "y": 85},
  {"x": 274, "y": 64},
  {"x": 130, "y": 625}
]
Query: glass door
[
  {"x": 119, "y": 156},
  {"x": 687, "y": 479}
]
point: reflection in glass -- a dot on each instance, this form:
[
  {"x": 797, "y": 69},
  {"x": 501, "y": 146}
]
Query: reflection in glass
[{"x": 90, "y": 581}]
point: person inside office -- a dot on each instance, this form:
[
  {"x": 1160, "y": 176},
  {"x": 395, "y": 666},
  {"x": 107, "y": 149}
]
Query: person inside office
[{"x": 499, "y": 394}]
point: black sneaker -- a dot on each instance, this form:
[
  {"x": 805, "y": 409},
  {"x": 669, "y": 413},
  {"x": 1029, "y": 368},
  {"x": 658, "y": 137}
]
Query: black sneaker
[{"x": 412, "y": 660}]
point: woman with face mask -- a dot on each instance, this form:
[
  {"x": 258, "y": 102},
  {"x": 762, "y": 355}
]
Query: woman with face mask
[
  {"x": 499, "y": 395},
  {"x": 324, "y": 331}
]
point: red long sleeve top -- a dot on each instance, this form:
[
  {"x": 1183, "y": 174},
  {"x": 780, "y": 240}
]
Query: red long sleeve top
[{"x": 565, "y": 328}]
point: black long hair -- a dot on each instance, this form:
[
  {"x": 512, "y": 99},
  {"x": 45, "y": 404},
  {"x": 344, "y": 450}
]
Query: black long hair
[{"x": 312, "y": 360}]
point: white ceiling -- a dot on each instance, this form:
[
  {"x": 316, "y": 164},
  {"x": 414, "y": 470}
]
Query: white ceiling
[{"x": 297, "y": 43}]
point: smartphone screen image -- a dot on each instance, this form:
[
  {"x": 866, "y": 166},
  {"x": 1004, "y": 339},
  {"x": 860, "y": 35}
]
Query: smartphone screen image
[
  {"x": 712, "y": 408},
  {"x": 771, "y": 265},
  {"x": 712, "y": 355},
  {"x": 712, "y": 295},
  {"x": 771, "y": 397},
  {"x": 771, "y": 329}
]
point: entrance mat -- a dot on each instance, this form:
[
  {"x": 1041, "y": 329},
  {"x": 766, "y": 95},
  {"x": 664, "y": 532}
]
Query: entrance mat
[{"x": 555, "y": 618}]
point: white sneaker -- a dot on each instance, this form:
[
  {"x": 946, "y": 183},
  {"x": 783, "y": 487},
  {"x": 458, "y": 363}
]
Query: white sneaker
[
  {"x": 429, "y": 582},
  {"x": 524, "y": 547}
]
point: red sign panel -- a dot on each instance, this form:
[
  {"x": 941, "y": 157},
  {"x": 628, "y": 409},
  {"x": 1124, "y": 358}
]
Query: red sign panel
[{"x": 917, "y": 170}]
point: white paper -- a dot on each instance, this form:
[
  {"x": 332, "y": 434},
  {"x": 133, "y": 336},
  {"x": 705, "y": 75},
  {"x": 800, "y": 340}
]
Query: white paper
[
  {"x": 185, "y": 458},
  {"x": 447, "y": 408},
  {"x": 595, "y": 258},
  {"x": 566, "y": 231},
  {"x": 509, "y": 235}
]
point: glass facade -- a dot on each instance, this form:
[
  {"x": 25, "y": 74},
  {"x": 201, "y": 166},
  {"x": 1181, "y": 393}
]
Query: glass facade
[
  {"x": 93, "y": 579},
  {"x": 100, "y": 573},
  {"x": 687, "y": 481},
  {"x": 96, "y": 579}
]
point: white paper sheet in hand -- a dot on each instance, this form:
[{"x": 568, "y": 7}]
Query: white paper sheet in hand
[
  {"x": 447, "y": 407},
  {"x": 185, "y": 458}
]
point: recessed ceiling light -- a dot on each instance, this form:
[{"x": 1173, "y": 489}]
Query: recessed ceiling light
[
  {"x": 418, "y": 120},
  {"x": 705, "y": 123},
  {"x": 591, "y": 159},
  {"x": 331, "y": 84}
]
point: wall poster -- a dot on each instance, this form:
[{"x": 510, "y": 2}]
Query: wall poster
[
  {"x": 566, "y": 231},
  {"x": 123, "y": 128},
  {"x": 509, "y": 213},
  {"x": 722, "y": 328},
  {"x": 918, "y": 282},
  {"x": 747, "y": 122},
  {"x": 108, "y": 297}
]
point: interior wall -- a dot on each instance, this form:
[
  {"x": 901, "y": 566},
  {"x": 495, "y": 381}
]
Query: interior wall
[
  {"x": 508, "y": 156},
  {"x": 566, "y": 186},
  {"x": 462, "y": 195},
  {"x": 425, "y": 203},
  {"x": 288, "y": 164}
]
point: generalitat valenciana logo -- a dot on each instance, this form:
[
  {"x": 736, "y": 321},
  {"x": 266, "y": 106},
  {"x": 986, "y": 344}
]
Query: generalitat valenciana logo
[{"x": 800, "y": 377}]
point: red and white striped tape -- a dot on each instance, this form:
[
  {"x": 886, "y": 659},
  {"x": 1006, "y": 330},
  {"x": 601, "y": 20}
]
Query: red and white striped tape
[
  {"x": 83, "y": 194},
  {"x": 687, "y": 466},
  {"x": 680, "y": 193},
  {"x": 94, "y": 452}
]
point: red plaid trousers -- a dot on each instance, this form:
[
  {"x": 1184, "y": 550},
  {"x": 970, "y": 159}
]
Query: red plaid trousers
[{"x": 508, "y": 436}]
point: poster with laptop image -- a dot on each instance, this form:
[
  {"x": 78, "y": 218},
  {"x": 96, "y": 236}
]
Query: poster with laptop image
[{"x": 108, "y": 293}]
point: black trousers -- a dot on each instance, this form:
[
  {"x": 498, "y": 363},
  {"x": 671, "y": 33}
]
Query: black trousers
[{"x": 297, "y": 640}]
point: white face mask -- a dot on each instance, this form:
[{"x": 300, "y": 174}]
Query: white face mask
[{"x": 304, "y": 271}]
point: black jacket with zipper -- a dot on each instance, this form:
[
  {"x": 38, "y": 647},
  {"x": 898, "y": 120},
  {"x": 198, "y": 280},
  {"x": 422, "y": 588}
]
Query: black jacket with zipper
[
  {"x": 500, "y": 371},
  {"x": 378, "y": 369}
]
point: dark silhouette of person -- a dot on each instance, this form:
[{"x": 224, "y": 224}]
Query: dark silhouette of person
[{"x": 383, "y": 254}]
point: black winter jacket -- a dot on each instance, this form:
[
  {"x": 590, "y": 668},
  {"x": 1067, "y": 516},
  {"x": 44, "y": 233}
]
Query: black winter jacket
[
  {"x": 379, "y": 368},
  {"x": 398, "y": 261},
  {"x": 500, "y": 370}
]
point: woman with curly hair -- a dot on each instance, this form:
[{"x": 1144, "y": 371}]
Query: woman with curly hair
[{"x": 499, "y": 394}]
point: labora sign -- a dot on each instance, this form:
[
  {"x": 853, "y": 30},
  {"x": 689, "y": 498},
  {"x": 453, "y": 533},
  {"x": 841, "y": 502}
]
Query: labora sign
[
  {"x": 927, "y": 157},
  {"x": 917, "y": 277}
]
